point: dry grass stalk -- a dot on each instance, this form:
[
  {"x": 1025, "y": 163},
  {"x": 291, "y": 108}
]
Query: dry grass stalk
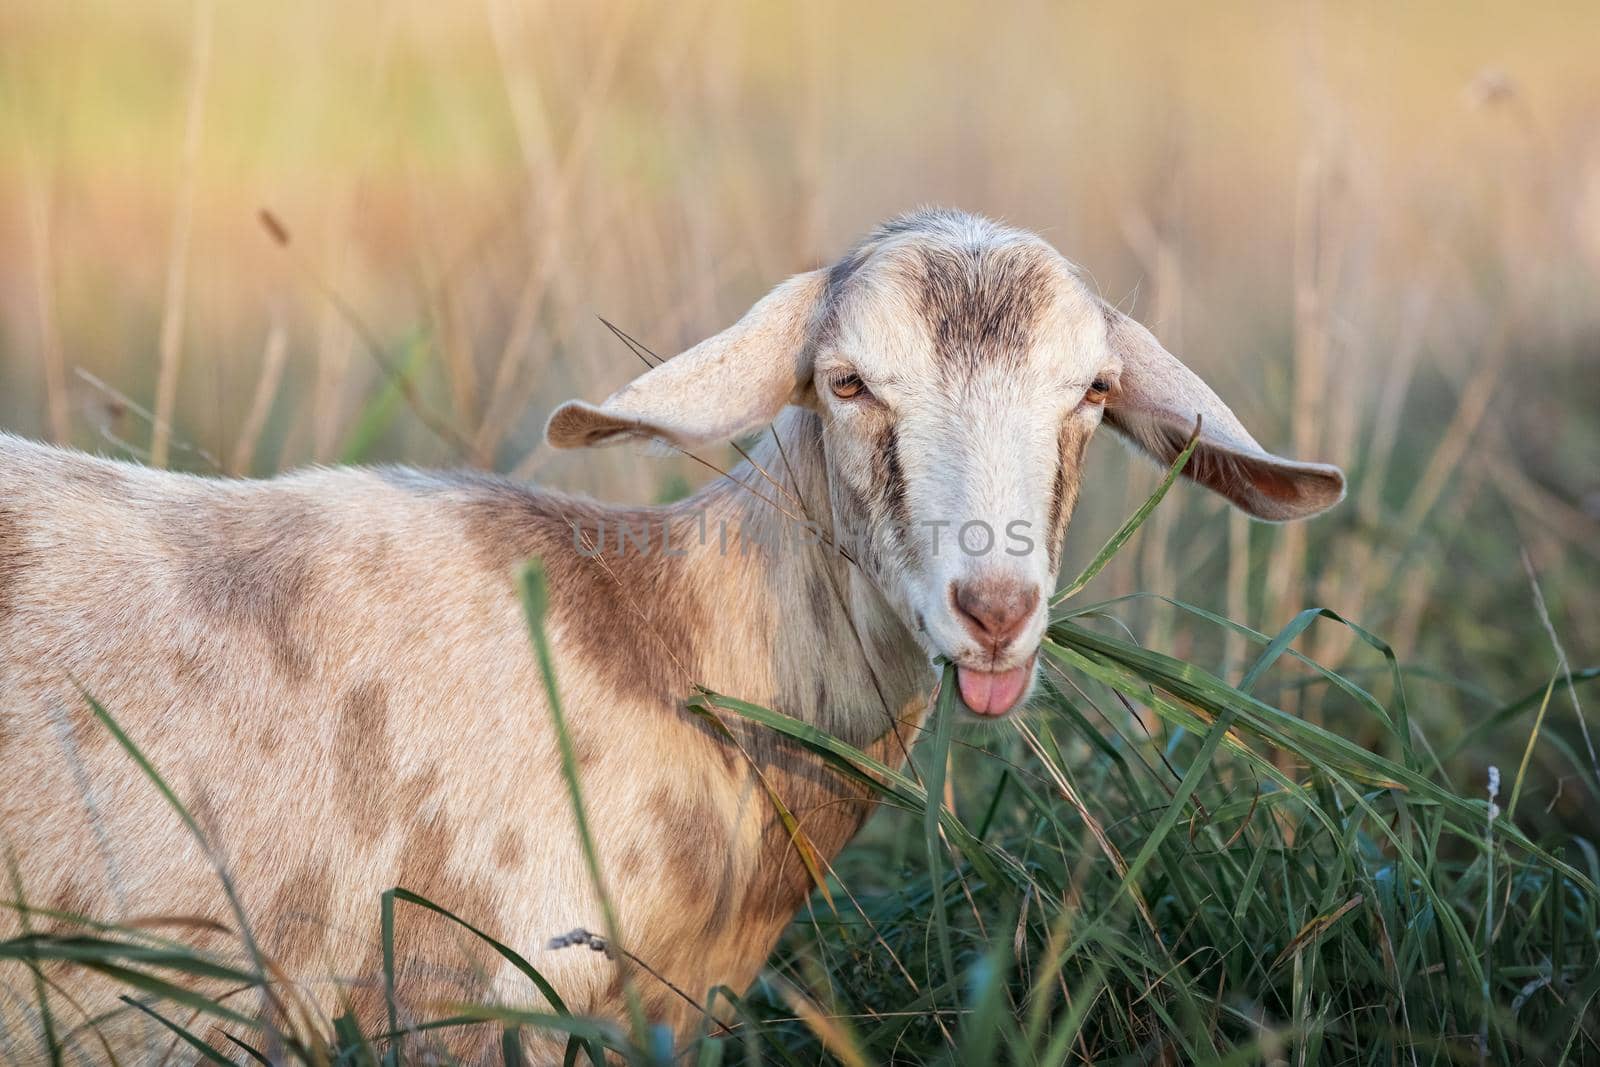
[
  {"x": 1356, "y": 555},
  {"x": 175, "y": 298},
  {"x": 1071, "y": 796},
  {"x": 1575, "y": 528},
  {"x": 551, "y": 208},
  {"x": 336, "y": 340},
  {"x": 1319, "y": 245},
  {"x": 1158, "y": 568},
  {"x": 55, "y": 375},
  {"x": 1563, "y": 665},
  {"x": 273, "y": 361},
  {"x": 1158, "y": 255},
  {"x": 1238, "y": 590},
  {"x": 1421, "y": 570}
]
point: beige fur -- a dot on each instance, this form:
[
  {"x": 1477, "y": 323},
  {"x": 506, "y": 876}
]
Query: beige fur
[{"x": 333, "y": 670}]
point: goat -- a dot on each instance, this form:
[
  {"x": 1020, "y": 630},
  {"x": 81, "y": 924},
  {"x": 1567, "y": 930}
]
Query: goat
[{"x": 333, "y": 669}]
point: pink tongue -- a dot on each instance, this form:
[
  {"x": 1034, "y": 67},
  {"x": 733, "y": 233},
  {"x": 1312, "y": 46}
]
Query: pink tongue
[{"x": 992, "y": 692}]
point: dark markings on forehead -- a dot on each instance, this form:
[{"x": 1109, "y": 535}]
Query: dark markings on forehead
[
  {"x": 840, "y": 276},
  {"x": 981, "y": 303},
  {"x": 939, "y": 222},
  {"x": 965, "y": 267}
]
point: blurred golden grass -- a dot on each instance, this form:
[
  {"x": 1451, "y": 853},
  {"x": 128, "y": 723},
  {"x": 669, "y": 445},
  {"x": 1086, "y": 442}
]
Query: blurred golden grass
[{"x": 1376, "y": 231}]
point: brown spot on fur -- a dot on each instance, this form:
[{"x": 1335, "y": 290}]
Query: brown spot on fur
[
  {"x": 416, "y": 789},
  {"x": 364, "y": 996},
  {"x": 441, "y": 963},
  {"x": 614, "y": 990},
  {"x": 100, "y": 476},
  {"x": 361, "y": 757},
  {"x": 73, "y": 897},
  {"x": 270, "y": 738},
  {"x": 698, "y": 859},
  {"x": 829, "y": 808},
  {"x": 629, "y": 614},
  {"x": 182, "y": 665},
  {"x": 509, "y": 849},
  {"x": 634, "y": 864},
  {"x": 13, "y": 559},
  {"x": 375, "y": 560},
  {"x": 437, "y": 943},
  {"x": 819, "y": 595},
  {"x": 372, "y": 792},
  {"x": 660, "y": 1003},
  {"x": 249, "y": 565},
  {"x": 588, "y": 746},
  {"x": 89, "y": 734},
  {"x": 201, "y": 801},
  {"x": 298, "y": 914}
]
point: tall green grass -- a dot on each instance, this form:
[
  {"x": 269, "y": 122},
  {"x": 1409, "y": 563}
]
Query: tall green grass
[{"x": 1155, "y": 866}]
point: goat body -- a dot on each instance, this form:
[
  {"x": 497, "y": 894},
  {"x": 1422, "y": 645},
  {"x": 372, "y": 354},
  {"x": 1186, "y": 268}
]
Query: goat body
[{"x": 334, "y": 671}]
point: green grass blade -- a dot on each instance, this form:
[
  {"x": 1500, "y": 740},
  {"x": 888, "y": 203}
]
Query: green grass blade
[
  {"x": 206, "y": 1051},
  {"x": 936, "y": 761},
  {"x": 990, "y": 863},
  {"x": 246, "y": 935},
  {"x": 391, "y": 1055},
  {"x": 1319, "y": 745},
  {"x": 47, "y": 1025},
  {"x": 535, "y": 601},
  {"x": 1131, "y": 526},
  {"x": 249, "y": 1050},
  {"x": 506, "y": 952}
]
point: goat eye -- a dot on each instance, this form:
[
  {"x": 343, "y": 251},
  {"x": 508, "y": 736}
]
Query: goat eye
[
  {"x": 1099, "y": 390},
  {"x": 848, "y": 386}
]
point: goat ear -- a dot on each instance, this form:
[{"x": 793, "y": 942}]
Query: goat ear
[
  {"x": 724, "y": 386},
  {"x": 1155, "y": 405}
]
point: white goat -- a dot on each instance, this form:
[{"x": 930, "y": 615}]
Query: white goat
[{"x": 333, "y": 670}]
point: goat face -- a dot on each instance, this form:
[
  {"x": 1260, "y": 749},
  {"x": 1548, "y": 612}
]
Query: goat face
[{"x": 958, "y": 369}]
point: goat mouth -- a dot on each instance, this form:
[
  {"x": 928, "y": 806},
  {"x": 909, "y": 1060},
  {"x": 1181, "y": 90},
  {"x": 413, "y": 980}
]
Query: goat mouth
[{"x": 993, "y": 693}]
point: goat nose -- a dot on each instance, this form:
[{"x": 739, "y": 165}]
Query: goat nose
[{"x": 994, "y": 611}]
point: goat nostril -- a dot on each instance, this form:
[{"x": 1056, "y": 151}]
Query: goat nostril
[{"x": 994, "y": 612}]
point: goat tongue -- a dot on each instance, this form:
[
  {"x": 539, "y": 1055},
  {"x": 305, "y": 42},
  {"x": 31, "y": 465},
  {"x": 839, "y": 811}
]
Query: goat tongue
[{"x": 993, "y": 692}]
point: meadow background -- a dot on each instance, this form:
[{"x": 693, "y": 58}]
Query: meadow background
[{"x": 228, "y": 231}]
